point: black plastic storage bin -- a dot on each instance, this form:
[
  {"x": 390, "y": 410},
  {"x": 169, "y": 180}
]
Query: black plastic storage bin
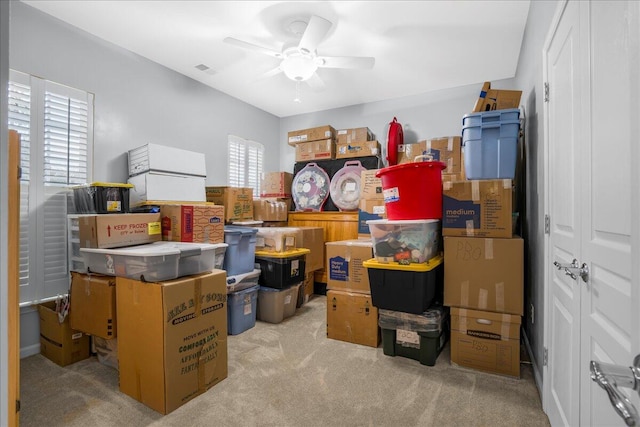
[
  {"x": 101, "y": 198},
  {"x": 419, "y": 337},
  {"x": 407, "y": 288},
  {"x": 281, "y": 269}
]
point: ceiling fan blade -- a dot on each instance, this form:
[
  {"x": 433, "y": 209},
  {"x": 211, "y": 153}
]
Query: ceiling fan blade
[
  {"x": 315, "y": 82},
  {"x": 316, "y": 29},
  {"x": 362, "y": 62},
  {"x": 251, "y": 46}
]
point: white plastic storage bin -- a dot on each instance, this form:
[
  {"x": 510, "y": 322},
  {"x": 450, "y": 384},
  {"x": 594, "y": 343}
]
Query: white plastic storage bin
[
  {"x": 160, "y": 158},
  {"x": 240, "y": 257},
  {"x": 276, "y": 239},
  {"x": 154, "y": 262},
  {"x": 490, "y": 144},
  {"x": 405, "y": 241}
]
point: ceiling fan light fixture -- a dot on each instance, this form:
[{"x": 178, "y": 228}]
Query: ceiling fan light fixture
[{"x": 298, "y": 68}]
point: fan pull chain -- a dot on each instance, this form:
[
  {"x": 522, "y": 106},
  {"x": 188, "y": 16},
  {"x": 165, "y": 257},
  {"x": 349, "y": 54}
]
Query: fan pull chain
[{"x": 298, "y": 98}]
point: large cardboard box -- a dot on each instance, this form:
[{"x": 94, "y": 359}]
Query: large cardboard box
[
  {"x": 348, "y": 150},
  {"x": 201, "y": 223},
  {"x": 312, "y": 238},
  {"x": 492, "y": 99},
  {"x": 93, "y": 304},
  {"x": 270, "y": 209},
  {"x": 156, "y": 186},
  {"x": 445, "y": 149},
  {"x": 351, "y": 317},
  {"x": 276, "y": 184},
  {"x": 58, "y": 342},
  {"x": 311, "y": 134},
  {"x": 104, "y": 231},
  {"x": 237, "y": 202},
  {"x": 316, "y": 150},
  {"x": 347, "y": 136},
  {"x": 172, "y": 338},
  {"x": 344, "y": 265},
  {"x": 484, "y": 274},
  {"x": 370, "y": 185},
  {"x": 369, "y": 209},
  {"x": 486, "y": 341},
  {"x": 477, "y": 208}
]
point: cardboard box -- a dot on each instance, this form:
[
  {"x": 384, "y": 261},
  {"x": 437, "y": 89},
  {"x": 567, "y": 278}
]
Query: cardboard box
[
  {"x": 58, "y": 342},
  {"x": 351, "y": 317},
  {"x": 104, "y": 231},
  {"x": 446, "y": 149},
  {"x": 276, "y": 184},
  {"x": 486, "y": 341},
  {"x": 347, "y": 136},
  {"x": 270, "y": 209},
  {"x": 484, "y": 274},
  {"x": 492, "y": 99},
  {"x": 477, "y": 208},
  {"x": 316, "y": 150},
  {"x": 312, "y": 238},
  {"x": 93, "y": 304},
  {"x": 307, "y": 286},
  {"x": 156, "y": 186},
  {"x": 369, "y": 209},
  {"x": 172, "y": 338},
  {"x": 203, "y": 223},
  {"x": 311, "y": 134},
  {"x": 237, "y": 202},
  {"x": 348, "y": 150},
  {"x": 344, "y": 265},
  {"x": 370, "y": 186}
]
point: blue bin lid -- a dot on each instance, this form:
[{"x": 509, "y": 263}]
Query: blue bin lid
[
  {"x": 236, "y": 229},
  {"x": 253, "y": 288}
]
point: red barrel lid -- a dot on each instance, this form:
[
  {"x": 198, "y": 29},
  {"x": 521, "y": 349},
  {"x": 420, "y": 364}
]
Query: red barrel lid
[{"x": 429, "y": 165}]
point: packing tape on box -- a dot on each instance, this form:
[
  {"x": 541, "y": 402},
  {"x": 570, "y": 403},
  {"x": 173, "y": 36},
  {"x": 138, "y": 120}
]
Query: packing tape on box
[
  {"x": 450, "y": 164},
  {"x": 450, "y": 144},
  {"x": 447, "y": 185},
  {"x": 470, "y": 227},
  {"x": 475, "y": 190},
  {"x": 462, "y": 320},
  {"x": 428, "y": 150},
  {"x": 483, "y": 296},
  {"x": 504, "y": 330},
  {"x": 488, "y": 248},
  {"x": 506, "y": 184},
  {"x": 500, "y": 296},
  {"x": 464, "y": 293}
]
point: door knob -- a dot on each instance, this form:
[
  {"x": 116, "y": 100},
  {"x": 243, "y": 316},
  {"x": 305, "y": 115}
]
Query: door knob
[
  {"x": 574, "y": 270},
  {"x": 610, "y": 377}
]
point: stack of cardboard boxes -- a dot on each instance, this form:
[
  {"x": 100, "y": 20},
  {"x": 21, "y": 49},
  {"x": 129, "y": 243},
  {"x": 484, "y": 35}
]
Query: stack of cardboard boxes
[
  {"x": 275, "y": 202},
  {"x": 371, "y": 202}
]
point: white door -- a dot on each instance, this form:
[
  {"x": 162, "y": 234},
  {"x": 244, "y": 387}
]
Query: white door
[{"x": 592, "y": 122}]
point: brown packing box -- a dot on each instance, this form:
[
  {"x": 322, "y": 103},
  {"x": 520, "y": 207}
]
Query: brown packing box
[
  {"x": 344, "y": 265},
  {"x": 347, "y": 136},
  {"x": 492, "y": 99},
  {"x": 311, "y": 134},
  {"x": 201, "y": 223},
  {"x": 307, "y": 287},
  {"x": 351, "y": 317},
  {"x": 58, "y": 342},
  {"x": 312, "y": 238},
  {"x": 486, "y": 341},
  {"x": 477, "y": 208},
  {"x": 369, "y": 209},
  {"x": 237, "y": 202},
  {"x": 484, "y": 274},
  {"x": 104, "y": 231},
  {"x": 445, "y": 149},
  {"x": 270, "y": 209},
  {"x": 348, "y": 150},
  {"x": 316, "y": 150},
  {"x": 93, "y": 304},
  {"x": 276, "y": 184},
  {"x": 172, "y": 338},
  {"x": 370, "y": 186}
]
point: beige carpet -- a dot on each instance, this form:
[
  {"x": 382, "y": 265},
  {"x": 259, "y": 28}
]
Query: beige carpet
[{"x": 290, "y": 374}]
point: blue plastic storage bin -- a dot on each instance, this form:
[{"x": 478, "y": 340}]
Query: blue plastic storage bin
[
  {"x": 241, "y": 310},
  {"x": 240, "y": 256},
  {"x": 490, "y": 144}
]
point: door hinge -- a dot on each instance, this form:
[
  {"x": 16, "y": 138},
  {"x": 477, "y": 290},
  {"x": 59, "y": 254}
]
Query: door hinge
[
  {"x": 547, "y": 224},
  {"x": 17, "y": 405},
  {"x": 545, "y": 357},
  {"x": 546, "y": 92}
]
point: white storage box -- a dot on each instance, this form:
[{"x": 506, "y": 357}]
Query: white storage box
[
  {"x": 155, "y": 186},
  {"x": 159, "y": 158},
  {"x": 405, "y": 241},
  {"x": 156, "y": 262}
]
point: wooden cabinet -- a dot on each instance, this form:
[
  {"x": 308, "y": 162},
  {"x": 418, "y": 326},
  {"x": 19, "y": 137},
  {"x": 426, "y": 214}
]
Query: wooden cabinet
[{"x": 337, "y": 226}]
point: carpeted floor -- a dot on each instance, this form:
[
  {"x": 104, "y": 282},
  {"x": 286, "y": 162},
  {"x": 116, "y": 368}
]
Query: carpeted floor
[{"x": 290, "y": 374}]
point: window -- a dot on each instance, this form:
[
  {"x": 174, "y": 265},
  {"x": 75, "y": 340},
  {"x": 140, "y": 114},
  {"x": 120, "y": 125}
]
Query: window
[
  {"x": 55, "y": 123},
  {"x": 245, "y": 163}
]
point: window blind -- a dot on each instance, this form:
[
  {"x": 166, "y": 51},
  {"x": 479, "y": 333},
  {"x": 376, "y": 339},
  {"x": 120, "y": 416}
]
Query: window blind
[{"x": 245, "y": 163}]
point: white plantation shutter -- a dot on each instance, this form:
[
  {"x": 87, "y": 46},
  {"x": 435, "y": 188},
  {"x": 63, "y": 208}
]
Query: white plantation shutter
[
  {"x": 245, "y": 163},
  {"x": 58, "y": 124}
]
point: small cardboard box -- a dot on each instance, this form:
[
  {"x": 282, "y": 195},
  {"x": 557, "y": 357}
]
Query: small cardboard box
[
  {"x": 348, "y": 150},
  {"x": 172, "y": 338},
  {"x": 369, "y": 209},
  {"x": 270, "y": 209},
  {"x": 312, "y": 238},
  {"x": 93, "y": 304},
  {"x": 58, "y": 342},
  {"x": 201, "y": 223},
  {"x": 492, "y": 99},
  {"x": 484, "y": 274},
  {"x": 446, "y": 149},
  {"x": 316, "y": 150},
  {"x": 237, "y": 202},
  {"x": 486, "y": 341},
  {"x": 370, "y": 186},
  {"x": 477, "y": 208},
  {"x": 104, "y": 231},
  {"x": 311, "y": 134},
  {"x": 351, "y": 317},
  {"x": 276, "y": 184},
  {"x": 347, "y": 136},
  {"x": 344, "y": 265}
]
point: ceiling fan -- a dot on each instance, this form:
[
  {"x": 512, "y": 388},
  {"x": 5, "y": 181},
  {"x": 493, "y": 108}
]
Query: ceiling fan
[{"x": 301, "y": 61}]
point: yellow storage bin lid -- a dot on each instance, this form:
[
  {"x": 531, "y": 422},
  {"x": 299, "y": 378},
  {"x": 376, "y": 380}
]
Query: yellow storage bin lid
[
  {"x": 413, "y": 267},
  {"x": 105, "y": 184},
  {"x": 286, "y": 254}
]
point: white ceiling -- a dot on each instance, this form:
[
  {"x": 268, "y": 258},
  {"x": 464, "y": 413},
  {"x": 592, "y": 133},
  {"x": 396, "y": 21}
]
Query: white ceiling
[{"x": 419, "y": 46}]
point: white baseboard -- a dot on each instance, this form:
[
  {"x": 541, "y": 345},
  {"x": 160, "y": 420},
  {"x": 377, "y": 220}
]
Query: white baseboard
[
  {"x": 29, "y": 350},
  {"x": 537, "y": 374}
]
